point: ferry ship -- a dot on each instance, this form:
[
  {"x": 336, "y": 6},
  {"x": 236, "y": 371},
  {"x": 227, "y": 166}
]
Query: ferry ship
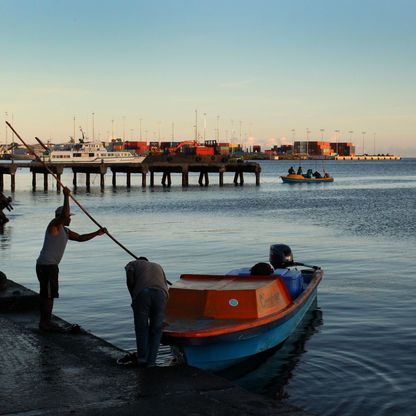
[{"x": 89, "y": 153}]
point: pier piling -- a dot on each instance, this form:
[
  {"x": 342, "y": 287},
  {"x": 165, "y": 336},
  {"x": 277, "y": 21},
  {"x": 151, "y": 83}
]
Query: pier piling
[{"x": 9, "y": 169}]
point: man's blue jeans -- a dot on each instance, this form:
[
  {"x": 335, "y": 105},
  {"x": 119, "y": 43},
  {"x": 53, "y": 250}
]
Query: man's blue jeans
[{"x": 149, "y": 312}]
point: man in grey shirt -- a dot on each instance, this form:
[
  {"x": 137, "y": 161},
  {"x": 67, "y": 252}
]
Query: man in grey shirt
[
  {"x": 56, "y": 236},
  {"x": 148, "y": 288}
]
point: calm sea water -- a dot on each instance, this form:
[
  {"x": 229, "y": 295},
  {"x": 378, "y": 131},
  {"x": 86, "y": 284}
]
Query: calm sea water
[{"x": 354, "y": 353}]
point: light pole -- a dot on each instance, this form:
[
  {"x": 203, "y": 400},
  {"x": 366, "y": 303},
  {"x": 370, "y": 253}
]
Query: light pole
[
  {"x": 6, "y": 116},
  {"x": 293, "y": 140},
  {"x": 363, "y": 133},
  {"x": 322, "y": 135},
  {"x": 240, "y": 129},
  {"x": 73, "y": 127},
  {"x": 336, "y": 138},
  {"x": 12, "y": 150},
  {"x": 93, "y": 131},
  {"x": 205, "y": 125},
  {"x": 140, "y": 128},
  {"x": 124, "y": 128},
  {"x": 218, "y": 129},
  {"x": 196, "y": 125},
  {"x": 112, "y": 129},
  {"x": 173, "y": 131}
]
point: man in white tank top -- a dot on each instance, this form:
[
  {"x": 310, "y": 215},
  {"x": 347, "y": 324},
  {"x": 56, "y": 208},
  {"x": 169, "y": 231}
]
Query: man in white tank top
[{"x": 56, "y": 236}]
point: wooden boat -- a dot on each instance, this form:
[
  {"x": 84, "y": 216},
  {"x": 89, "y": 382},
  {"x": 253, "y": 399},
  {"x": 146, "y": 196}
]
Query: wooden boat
[
  {"x": 295, "y": 178},
  {"x": 216, "y": 321}
]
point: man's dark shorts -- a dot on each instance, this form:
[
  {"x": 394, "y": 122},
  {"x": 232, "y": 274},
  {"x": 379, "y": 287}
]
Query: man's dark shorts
[{"x": 48, "y": 280}]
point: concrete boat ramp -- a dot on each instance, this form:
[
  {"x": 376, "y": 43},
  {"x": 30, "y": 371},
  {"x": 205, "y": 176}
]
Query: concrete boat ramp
[{"x": 76, "y": 374}]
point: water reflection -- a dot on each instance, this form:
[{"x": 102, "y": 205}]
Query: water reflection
[
  {"x": 5, "y": 236},
  {"x": 269, "y": 372}
]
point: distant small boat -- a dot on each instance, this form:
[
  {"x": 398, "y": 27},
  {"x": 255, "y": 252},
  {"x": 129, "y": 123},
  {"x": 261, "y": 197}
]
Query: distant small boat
[
  {"x": 217, "y": 321},
  {"x": 295, "y": 178},
  {"x": 89, "y": 153}
]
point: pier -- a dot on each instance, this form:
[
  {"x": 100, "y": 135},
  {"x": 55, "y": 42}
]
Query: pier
[
  {"x": 65, "y": 374},
  {"x": 8, "y": 169},
  {"x": 369, "y": 157},
  {"x": 167, "y": 165}
]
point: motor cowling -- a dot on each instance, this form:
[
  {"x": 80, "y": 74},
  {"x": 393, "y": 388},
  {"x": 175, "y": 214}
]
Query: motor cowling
[{"x": 280, "y": 256}]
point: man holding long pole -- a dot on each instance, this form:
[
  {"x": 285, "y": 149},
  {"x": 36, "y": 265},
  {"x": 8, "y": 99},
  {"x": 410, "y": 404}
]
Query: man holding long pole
[{"x": 56, "y": 237}]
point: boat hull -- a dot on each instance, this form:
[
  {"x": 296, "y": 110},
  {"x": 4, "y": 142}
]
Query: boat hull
[
  {"x": 216, "y": 322},
  {"x": 301, "y": 179},
  {"x": 225, "y": 351}
]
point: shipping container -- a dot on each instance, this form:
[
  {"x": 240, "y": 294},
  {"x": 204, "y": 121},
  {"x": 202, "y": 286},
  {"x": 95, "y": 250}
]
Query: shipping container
[
  {"x": 165, "y": 145},
  {"x": 204, "y": 150},
  {"x": 134, "y": 144}
]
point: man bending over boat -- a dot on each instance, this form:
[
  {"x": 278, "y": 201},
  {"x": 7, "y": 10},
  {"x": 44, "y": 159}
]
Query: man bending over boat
[
  {"x": 56, "y": 236},
  {"x": 148, "y": 288}
]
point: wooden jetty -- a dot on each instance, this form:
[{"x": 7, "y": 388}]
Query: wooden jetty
[{"x": 160, "y": 164}]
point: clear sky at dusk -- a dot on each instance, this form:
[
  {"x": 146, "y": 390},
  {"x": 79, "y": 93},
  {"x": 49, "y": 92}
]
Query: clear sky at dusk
[{"x": 270, "y": 67}]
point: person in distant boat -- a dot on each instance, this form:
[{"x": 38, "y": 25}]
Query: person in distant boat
[
  {"x": 327, "y": 175},
  {"x": 291, "y": 171},
  {"x": 300, "y": 172},
  {"x": 317, "y": 175},
  {"x": 147, "y": 284},
  {"x": 56, "y": 237},
  {"x": 308, "y": 173},
  {"x": 5, "y": 202}
]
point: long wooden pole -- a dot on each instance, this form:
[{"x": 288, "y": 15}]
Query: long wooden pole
[{"x": 70, "y": 195}]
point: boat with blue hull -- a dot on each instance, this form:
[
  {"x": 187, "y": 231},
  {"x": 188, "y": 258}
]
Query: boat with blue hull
[{"x": 217, "y": 321}]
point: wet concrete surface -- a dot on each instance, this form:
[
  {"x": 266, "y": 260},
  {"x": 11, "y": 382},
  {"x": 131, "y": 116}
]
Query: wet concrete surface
[{"x": 76, "y": 374}]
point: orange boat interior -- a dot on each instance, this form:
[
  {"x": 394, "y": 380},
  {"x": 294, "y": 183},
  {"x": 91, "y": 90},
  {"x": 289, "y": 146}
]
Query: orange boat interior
[{"x": 226, "y": 297}]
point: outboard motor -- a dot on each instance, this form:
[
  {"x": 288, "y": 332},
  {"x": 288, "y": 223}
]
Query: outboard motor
[{"x": 281, "y": 256}]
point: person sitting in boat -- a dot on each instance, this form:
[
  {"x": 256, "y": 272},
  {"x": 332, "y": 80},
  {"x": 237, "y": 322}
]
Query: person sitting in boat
[
  {"x": 308, "y": 173},
  {"x": 300, "y": 172},
  {"x": 291, "y": 171},
  {"x": 317, "y": 175},
  {"x": 261, "y": 269},
  {"x": 327, "y": 175}
]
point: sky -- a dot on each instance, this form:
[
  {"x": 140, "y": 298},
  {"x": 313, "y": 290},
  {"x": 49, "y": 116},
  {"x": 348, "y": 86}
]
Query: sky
[{"x": 256, "y": 72}]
